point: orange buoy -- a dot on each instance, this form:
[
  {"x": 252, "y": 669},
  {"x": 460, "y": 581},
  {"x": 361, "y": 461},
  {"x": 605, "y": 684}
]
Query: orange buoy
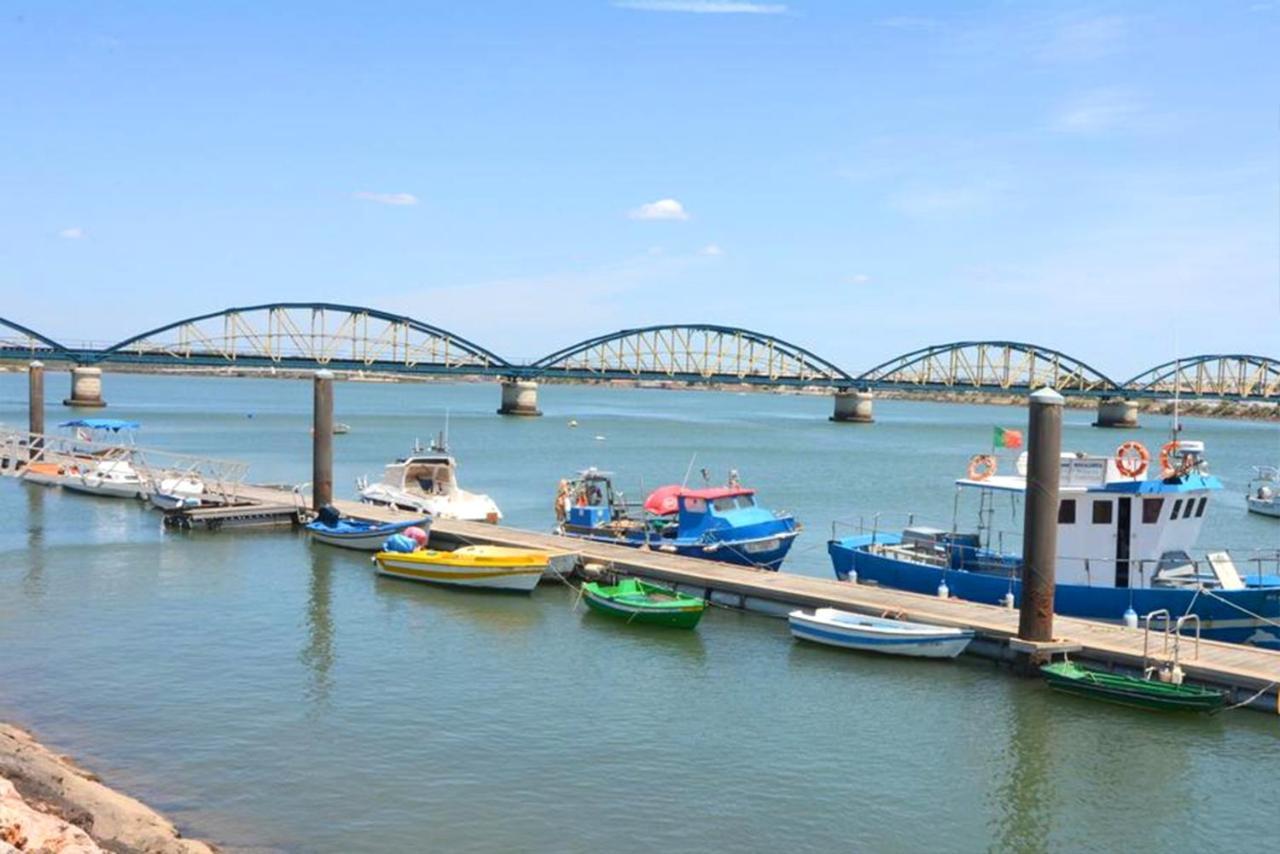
[
  {"x": 1132, "y": 458},
  {"x": 981, "y": 466}
]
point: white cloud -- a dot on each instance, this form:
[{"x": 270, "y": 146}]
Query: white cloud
[
  {"x": 661, "y": 209},
  {"x": 703, "y": 7},
  {"x": 711, "y": 250},
  {"x": 925, "y": 201},
  {"x": 386, "y": 198},
  {"x": 1094, "y": 112},
  {"x": 859, "y": 279},
  {"x": 73, "y": 233},
  {"x": 1085, "y": 39}
]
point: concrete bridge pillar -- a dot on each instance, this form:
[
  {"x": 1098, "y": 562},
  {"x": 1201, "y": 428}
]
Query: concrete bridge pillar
[
  {"x": 86, "y": 387},
  {"x": 519, "y": 397},
  {"x": 853, "y": 406},
  {"x": 1117, "y": 412}
]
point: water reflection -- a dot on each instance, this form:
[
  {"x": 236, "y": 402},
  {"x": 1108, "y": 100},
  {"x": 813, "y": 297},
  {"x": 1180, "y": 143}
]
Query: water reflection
[
  {"x": 317, "y": 655},
  {"x": 1026, "y": 797},
  {"x": 33, "y": 582},
  {"x": 502, "y": 612}
]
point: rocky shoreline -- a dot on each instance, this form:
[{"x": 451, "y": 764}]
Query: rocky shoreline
[{"x": 49, "y": 804}]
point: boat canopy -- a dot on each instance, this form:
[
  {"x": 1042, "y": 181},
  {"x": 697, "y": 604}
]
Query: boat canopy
[
  {"x": 115, "y": 425},
  {"x": 665, "y": 500}
]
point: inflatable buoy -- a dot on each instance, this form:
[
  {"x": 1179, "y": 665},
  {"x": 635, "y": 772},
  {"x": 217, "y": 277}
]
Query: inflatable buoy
[
  {"x": 1132, "y": 458},
  {"x": 981, "y": 466}
]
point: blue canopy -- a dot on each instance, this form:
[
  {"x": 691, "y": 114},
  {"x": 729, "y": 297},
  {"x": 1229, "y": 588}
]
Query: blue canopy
[{"x": 115, "y": 425}]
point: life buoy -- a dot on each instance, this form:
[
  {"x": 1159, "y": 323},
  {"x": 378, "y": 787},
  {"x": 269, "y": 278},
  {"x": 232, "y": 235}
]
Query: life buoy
[
  {"x": 981, "y": 466},
  {"x": 1166, "y": 451},
  {"x": 1132, "y": 458}
]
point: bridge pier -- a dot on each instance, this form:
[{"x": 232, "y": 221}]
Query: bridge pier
[
  {"x": 1117, "y": 412},
  {"x": 519, "y": 397},
  {"x": 86, "y": 388},
  {"x": 853, "y": 407}
]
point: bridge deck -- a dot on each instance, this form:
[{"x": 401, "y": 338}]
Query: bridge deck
[{"x": 1242, "y": 670}]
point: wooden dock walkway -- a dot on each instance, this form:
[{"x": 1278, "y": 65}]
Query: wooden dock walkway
[{"x": 1247, "y": 673}]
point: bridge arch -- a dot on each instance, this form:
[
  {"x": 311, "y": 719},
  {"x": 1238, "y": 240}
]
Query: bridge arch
[
  {"x": 691, "y": 353},
  {"x": 1229, "y": 377},
  {"x": 307, "y": 335},
  {"x": 29, "y": 340},
  {"x": 993, "y": 366}
]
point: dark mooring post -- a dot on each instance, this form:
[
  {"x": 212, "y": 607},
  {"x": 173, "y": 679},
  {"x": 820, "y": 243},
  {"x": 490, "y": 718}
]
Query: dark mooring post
[
  {"x": 322, "y": 441},
  {"x": 1040, "y": 524},
  {"x": 35, "y": 406}
]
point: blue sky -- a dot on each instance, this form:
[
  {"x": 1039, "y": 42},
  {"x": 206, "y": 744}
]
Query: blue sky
[{"x": 859, "y": 178}]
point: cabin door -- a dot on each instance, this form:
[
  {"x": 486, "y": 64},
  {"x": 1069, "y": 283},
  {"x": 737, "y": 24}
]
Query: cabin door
[{"x": 1124, "y": 529}]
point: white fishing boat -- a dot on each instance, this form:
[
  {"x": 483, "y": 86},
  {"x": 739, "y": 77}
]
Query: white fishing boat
[
  {"x": 1263, "y": 495},
  {"x": 834, "y": 627},
  {"x": 113, "y": 478},
  {"x": 426, "y": 482}
]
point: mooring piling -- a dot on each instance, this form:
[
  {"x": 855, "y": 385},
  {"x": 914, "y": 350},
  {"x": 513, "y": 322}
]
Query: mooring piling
[
  {"x": 35, "y": 406},
  {"x": 1040, "y": 520},
  {"x": 322, "y": 441}
]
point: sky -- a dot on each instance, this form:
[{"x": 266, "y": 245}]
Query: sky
[{"x": 859, "y": 178}]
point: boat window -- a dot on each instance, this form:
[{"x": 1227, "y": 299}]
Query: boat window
[
  {"x": 1177, "y": 505},
  {"x": 1200, "y": 507},
  {"x": 695, "y": 505},
  {"x": 1067, "y": 511},
  {"x": 1151, "y": 510},
  {"x": 723, "y": 503},
  {"x": 745, "y": 501},
  {"x": 1191, "y": 505},
  {"x": 1102, "y": 512}
]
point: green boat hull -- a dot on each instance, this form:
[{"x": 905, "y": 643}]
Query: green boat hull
[
  {"x": 645, "y": 604},
  {"x": 1070, "y": 678}
]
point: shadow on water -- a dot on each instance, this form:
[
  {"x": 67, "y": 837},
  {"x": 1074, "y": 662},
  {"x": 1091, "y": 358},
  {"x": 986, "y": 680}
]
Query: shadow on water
[
  {"x": 604, "y": 629},
  {"x": 318, "y": 654},
  {"x": 499, "y": 610}
]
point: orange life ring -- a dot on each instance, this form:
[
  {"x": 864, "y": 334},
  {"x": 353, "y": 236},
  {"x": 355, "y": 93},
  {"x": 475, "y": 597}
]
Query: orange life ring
[
  {"x": 1132, "y": 458},
  {"x": 981, "y": 466},
  {"x": 1167, "y": 470}
]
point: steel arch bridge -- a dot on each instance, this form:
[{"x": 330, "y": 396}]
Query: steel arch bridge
[
  {"x": 303, "y": 336},
  {"x": 1234, "y": 377},
  {"x": 987, "y": 366},
  {"x": 308, "y": 336},
  {"x": 691, "y": 353}
]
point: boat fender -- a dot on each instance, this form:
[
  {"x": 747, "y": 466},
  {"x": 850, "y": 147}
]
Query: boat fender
[
  {"x": 1007, "y": 600},
  {"x": 981, "y": 466},
  {"x": 944, "y": 592},
  {"x": 1132, "y": 458},
  {"x": 1131, "y": 618},
  {"x": 852, "y": 577}
]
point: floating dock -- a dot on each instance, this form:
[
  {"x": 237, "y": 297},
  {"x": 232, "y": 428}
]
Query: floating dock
[{"x": 1249, "y": 675}]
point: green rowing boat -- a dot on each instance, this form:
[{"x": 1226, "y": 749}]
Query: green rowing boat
[
  {"x": 1071, "y": 678},
  {"x": 637, "y": 602}
]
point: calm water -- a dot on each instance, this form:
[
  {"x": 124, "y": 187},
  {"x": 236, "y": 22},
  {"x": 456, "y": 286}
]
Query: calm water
[{"x": 274, "y": 696}]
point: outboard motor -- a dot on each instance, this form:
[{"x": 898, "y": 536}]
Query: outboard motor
[{"x": 329, "y": 516}]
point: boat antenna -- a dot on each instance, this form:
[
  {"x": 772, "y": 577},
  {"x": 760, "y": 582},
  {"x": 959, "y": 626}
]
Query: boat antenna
[
  {"x": 444, "y": 439},
  {"x": 689, "y": 470}
]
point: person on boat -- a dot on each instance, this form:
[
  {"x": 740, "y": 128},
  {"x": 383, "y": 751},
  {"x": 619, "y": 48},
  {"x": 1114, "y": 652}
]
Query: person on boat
[{"x": 562, "y": 500}]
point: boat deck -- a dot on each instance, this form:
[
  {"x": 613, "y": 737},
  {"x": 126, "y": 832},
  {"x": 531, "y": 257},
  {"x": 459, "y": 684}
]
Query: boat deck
[{"x": 1242, "y": 670}]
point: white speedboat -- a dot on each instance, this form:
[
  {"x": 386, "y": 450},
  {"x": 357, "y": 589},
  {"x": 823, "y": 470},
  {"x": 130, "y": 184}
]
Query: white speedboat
[
  {"x": 1263, "y": 496},
  {"x": 426, "y": 482},
  {"x": 177, "y": 492},
  {"x": 834, "y": 627},
  {"x": 114, "y": 478}
]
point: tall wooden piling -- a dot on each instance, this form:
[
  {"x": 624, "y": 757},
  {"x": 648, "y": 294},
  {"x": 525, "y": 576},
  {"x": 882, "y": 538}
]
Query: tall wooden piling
[
  {"x": 322, "y": 441},
  {"x": 35, "y": 406},
  {"x": 1040, "y": 522}
]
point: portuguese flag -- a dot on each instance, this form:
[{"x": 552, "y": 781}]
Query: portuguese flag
[{"x": 1006, "y": 438}]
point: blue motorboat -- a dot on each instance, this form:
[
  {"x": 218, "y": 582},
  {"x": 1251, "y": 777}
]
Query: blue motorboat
[
  {"x": 716, "y": 523},
  {"x": 332, "y": 528},
  {"x": 1125, "y": 547}
]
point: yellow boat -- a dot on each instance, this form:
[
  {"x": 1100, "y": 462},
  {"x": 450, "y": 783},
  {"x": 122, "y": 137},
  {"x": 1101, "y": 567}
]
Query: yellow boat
[{"x": 495, "y": 567}]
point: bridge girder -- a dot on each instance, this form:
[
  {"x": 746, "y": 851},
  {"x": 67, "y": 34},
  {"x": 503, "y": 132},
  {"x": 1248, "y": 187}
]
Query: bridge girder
[
  {"x": 990, "y": 366},
  {"x": 1228, "y": 377}
]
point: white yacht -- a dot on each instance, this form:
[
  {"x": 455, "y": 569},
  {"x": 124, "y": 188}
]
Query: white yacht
[
  {"x": 1263, "y": 495},
  {"x": 426, "y": 482}
]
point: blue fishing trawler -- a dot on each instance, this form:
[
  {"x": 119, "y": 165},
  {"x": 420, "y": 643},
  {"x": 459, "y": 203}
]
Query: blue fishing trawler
[
  {"x": 716, "y": 523},
  {"x": 1125, "y": 547}
]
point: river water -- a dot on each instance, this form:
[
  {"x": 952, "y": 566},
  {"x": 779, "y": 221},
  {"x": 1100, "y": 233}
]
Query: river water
[{"x": 275, "y": 696}]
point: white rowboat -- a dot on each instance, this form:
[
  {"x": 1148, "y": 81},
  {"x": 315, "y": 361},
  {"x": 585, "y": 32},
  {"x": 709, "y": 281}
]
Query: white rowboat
[{"x": 834, "y": 627}]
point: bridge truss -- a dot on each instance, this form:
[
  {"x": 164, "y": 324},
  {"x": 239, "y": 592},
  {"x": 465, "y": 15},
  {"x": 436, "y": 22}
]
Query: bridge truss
[{"x": 987, "y": 366}]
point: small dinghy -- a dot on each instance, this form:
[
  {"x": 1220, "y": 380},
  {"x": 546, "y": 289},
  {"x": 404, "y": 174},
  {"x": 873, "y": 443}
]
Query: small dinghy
[
  {"x": 492, "y": 567},
  {"x": 332, "y": 528},
  {"x": 834, "y": 627},
  {"x": 637, "y": 602},
  {"x": 1071, "y": 678}
]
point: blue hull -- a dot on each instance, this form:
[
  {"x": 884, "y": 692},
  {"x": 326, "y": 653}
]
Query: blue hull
[
  {"x": 1221, "y": 620},
  {"x": 726, "y": 551}
]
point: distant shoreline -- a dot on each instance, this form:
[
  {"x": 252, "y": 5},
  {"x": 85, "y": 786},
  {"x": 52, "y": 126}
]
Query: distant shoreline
[{"x": 1204, "y": 408}]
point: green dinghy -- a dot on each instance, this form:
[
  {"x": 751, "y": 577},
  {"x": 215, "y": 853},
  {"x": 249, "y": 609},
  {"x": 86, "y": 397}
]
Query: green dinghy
[
  {"x": 638, "y": 602},
  {"x": 1071, "y": 678}
]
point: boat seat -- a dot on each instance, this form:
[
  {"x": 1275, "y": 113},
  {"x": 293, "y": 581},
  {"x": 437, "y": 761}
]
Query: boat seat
[{"x": 1225, "y": 570}]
